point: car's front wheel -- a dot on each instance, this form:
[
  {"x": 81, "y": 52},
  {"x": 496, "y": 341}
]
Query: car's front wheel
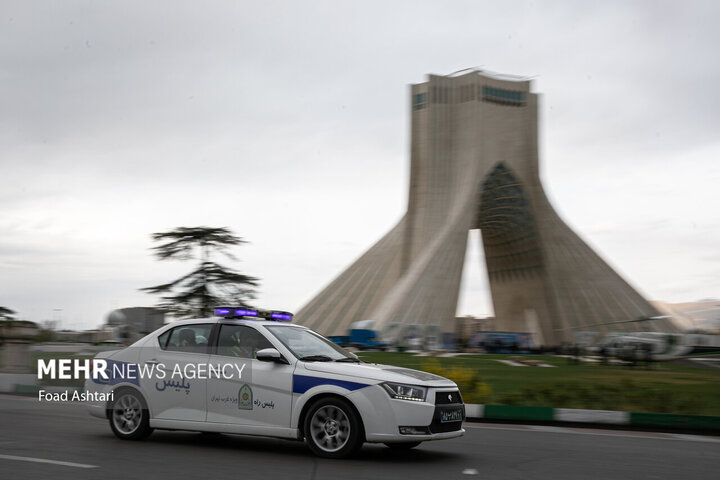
[
  {"x": 129, "y": 416},
  {"x": 332, "y": 428}
]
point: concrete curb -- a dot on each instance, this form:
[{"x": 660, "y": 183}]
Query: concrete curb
[
  {"x": 9, "y": 382},
  {"x": 28, "y": 384},
  {"x": 608, "y": 417}
]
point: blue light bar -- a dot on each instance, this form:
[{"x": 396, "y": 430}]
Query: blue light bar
[{"x": 240, "y": 312}]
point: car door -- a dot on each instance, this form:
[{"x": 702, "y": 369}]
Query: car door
[
  {"x": 176, "y": 392},
  {"x": 262, "y": 397}
]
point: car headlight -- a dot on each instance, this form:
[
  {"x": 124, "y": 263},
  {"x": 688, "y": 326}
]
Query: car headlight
[{"x": 405, "y": 392}]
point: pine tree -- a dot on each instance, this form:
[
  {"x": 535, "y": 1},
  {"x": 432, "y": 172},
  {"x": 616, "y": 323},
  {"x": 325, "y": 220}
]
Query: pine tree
[
  {"x": 209, "y": 284},
  {"x": 6, "y": 314}
]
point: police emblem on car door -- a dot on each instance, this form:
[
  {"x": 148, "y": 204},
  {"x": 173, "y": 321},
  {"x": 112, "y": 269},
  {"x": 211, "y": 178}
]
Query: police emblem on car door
[{"x": 245, "y": 398}]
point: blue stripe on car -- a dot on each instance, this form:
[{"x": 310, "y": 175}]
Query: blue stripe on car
[{"x": 302, "y": 383}]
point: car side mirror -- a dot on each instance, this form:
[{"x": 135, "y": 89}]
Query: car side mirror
[{"x": 270, "y": 355}]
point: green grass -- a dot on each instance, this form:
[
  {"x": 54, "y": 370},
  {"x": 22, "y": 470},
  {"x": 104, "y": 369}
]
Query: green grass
[{"x": 665, "y": 387}]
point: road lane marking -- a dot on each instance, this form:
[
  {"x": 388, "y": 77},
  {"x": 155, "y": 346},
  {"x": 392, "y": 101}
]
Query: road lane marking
[{"x": 45, "y": 460}]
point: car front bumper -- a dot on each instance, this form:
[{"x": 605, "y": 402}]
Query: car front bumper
[{"x": 383, "y": 417}]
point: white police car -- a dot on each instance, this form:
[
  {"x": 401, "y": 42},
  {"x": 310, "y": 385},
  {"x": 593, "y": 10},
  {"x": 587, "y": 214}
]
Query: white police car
[{"x": 261, "y": 376}]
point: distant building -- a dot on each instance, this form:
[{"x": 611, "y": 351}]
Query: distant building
[{"x": 131, "y": 324}]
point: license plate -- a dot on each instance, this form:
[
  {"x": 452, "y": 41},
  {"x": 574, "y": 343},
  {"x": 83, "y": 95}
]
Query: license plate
[{"x": 451, "y": 415}]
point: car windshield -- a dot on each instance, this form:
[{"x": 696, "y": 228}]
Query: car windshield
[{"x": 309, "y": 346}]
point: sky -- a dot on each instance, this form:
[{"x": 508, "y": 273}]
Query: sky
[{"x": 287, "y": 122}]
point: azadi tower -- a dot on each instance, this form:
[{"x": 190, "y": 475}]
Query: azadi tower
[{"x": 474, "y": 165}]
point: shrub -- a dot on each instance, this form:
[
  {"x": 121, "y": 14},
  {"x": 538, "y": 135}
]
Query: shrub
[{"x": 472, "y": 388}]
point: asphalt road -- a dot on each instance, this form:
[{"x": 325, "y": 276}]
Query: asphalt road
[{"x": 79, "y": 446}]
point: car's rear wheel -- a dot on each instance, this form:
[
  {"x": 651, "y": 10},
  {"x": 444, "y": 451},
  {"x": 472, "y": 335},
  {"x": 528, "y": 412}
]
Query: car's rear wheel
[
  {"x": 332, "y": 428},
  {"x": 129, "y": 416},
  {"x": 403, "y": 445}
]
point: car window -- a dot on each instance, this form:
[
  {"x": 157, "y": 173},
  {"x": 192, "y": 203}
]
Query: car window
[
  {"x": 187, "y": 338},
  {"x": 240, "y": 341},
  {"x": 163, "y": 339},
  {"x": 305, "y": 343}
]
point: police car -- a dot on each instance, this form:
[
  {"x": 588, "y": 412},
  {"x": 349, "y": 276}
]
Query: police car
[{"x": 247, "y": 371}]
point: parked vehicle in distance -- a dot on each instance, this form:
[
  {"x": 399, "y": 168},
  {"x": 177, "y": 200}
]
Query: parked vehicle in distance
[{"x": 362, "y": 339}]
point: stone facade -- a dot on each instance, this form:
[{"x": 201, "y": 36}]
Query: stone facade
[{"x": 474, "y": 165}]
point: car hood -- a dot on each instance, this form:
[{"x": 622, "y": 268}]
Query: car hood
[{"x": 381, "y": 373}]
